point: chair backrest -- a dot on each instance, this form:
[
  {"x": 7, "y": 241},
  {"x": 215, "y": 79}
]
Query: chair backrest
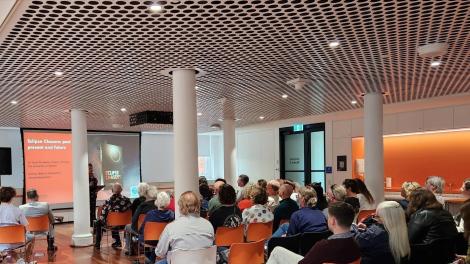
[
  {"x": 291, "y": 243},
  {"x": 309, "y": 239},
  {"x": 242, "y": 253},
  {"x": 439, "y": 251},
  {"x": 140, "y": 220},
  {"x": 12, "y": 234},
  {"x": 259, "y": 231},
  {"x": 119, "y": 218},
  {"x": 226, "y": 236},
  {"x": 363, "y": 214},
  {"x": 199, "y": 256},
  {"x": 153, "y": 230},
  {"x": 38, "y": 223}
]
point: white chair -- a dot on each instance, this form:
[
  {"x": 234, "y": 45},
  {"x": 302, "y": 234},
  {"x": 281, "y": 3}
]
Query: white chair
[{"x": 199, "y": 256}]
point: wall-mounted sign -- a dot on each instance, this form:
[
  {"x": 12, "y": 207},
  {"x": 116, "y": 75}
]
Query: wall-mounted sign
[
  {"x": 298, "y": 127},
  {"x": 341, "y": 163},
  {"x": 328, "y": 169}
]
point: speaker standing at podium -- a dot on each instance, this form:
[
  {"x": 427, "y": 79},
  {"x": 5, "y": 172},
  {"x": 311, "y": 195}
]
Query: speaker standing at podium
[{"x": 93, "y": 193}]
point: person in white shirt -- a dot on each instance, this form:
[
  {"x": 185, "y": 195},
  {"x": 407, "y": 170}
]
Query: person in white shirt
[
  {"x": 436, "y": 185},
  {"x": 465, "y": 189},
  {"x": 36, "y": 208},
  {"x": 273, "y": 192},
  {"x": 242, "y": 182},
  {"x": 188, "y": 232},
  {"x": 366, "y": 201},
  {"x": 12, "y": 215}
]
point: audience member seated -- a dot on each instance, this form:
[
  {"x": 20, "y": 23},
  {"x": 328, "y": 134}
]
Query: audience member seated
[
  {"x": 188, "y": 232},
  {"x": 242, "y": 183},
  {"x": 406, "y": 189},
  {"x": 116, "y": 203},
  {"x": 336, "y": 193},
  {"x": 286, "y": 206},
  {"x": 160, "y": 214},
  {"x": 227, "y": 214},
  {"x": 429, "y": 222},
  {"x": 338, "y": 248},
  {"x": 366, "y": 201},
  {"x": 12, "y": 215},
  {"x": 171, "y": 206},
  {"x": 322, "y": 203},
  {"x": 142, "y": 189},
  {"x": 246, "y": 201},
  {"x": 262, "y": 183},
  {"x": 36, "y": 208},
  {"x": 259, "y": 212},
  {"x": 351, "y": 193},
  {"x": 465, "y": 189},
  {"x": 465, "y": 215},
  {"x": 132, "y": 229},
  {"x": 273, "y": 193},
  {"x": 385, "y": 241},
  {"x": 436, "y": 185},
  {"x": 308, "y": 219},
  {"x": 214, "y": 202},
  {"x": 295, "y": 190},
  {"x": 206, "y": 194}
]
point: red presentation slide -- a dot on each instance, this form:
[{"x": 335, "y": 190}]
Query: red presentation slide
[{"x": 48, "y": 165}]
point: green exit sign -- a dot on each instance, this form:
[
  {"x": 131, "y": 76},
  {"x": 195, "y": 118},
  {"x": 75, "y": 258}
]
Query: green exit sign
[{"x": 298, "y": 127}]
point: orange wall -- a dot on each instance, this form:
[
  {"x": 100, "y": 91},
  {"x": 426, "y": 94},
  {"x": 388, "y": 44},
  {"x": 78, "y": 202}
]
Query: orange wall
[{"x": 415, "y": 157}]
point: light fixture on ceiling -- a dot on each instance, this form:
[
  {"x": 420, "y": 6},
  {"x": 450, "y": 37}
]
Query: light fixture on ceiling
[
  {"x": 199, "y": 114},
  {"x": 432, "y": 50},
  {"x": 156, "y": 8},
  {"x": 261, "y": 117},
  {"x": 353, "y": 102},
  {"x": 436, "y": 63},
  {"x": 14, "y": 102},
  {"x": 284, "y": 96},
  {"x": 238, "y": 119},
  {"x": 333, "y": 44},
  {"x": 196, "y": 87},
  {"x": 298, "y": 83},
  {"x": 215, "y": 126},
  {"x": 123, "y": 109},
  {"x": 117, "y": 125},
  {"x": 58, "y": 73}
]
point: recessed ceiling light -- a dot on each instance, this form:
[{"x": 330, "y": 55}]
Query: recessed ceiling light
[
  {"x": 196, "y": 87},
  {"x": 199, "y": 114},
  {"x": 261, "y": 117},
  {"x": 284, "y": 96},
  {"x": 123, "y": 109},
  {"x": 14, "y": 102},
  {"x": 333, "y": 44},
  {"x": 156, "y": 8},
  {"x": 353, "y": 102},
  {"x": 436, "y": 63},
  {"x": 238, "y": 119},
  {"x": 117, "y": 125},
  {"x": 58, "y": 73}
]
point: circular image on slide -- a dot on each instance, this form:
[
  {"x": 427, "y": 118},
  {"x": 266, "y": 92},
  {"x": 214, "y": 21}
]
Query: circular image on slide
[{"x": 114, "y": 153}]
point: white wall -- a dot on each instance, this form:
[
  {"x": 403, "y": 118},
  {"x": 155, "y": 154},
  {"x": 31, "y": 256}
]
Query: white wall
[{"x": 11, "y": 138}]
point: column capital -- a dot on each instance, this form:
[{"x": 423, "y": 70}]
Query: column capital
[{"x": 169, "y": 72}]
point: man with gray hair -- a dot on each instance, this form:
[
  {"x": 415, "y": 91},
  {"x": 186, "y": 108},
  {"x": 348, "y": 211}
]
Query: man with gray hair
[
  {"x": 35, "y": 208},
  {"x": 116, "y": 203},
  {"x": 436, "y": 185}
]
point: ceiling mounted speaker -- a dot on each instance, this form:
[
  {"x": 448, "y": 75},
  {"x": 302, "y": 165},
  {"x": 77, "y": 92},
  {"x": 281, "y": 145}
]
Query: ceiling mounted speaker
[
  {"x": 432, "y": 50},
  {"x": 298, "y": 83}
]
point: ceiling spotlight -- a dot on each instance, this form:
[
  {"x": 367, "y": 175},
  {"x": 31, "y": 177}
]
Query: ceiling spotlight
[
  {"x": 199, "y": 114},
  {"x": 117, "y": 125},
  {"x": 436, "y": 63},
  {"x": 196, "y": 87},
  {"x": 284, "y": 96},
  {"x": 156, "y": 8},
  {"x": 353, "y": 102},
  {"x": 58, "y": 73},
  {"x": 123, "y": 109},
  {"x": 261, "y": 117},
  {"x": 14, "y": 102},
  {"x": 333, "y": 44}
]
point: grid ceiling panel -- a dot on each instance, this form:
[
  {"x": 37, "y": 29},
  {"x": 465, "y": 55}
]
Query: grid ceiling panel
[{"x": 112, "y": 52}]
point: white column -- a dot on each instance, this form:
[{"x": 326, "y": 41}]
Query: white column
[
  {"x": 185, "y": 132},
  {"x": 230, "y": 152},
  {"x": 373, "y": 141},
  {"x": 81, "y": 198}
]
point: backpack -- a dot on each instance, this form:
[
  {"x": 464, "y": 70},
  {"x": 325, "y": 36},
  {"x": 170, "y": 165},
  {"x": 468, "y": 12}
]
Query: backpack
[{"x": 233, "y": 220}]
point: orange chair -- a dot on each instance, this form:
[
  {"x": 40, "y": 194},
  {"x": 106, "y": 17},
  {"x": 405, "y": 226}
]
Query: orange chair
[
  {"x": 226, "y": 236},
  {"x": 38, "y": 224},
  {"x": 363, "y": 214},
  {"x": 140, "y": 221},
  {"x": 259, "y": 231},
  {"x": 242, "y": 253},
  {"x": 14, "y": 234},
  {"x": 152, "y": 232},
  {"x": 116, "y": 221}
]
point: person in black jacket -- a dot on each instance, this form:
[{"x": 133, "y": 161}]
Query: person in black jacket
[{"x": 431, "y": 226}]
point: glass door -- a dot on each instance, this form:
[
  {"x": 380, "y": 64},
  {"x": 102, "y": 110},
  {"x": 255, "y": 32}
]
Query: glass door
[{"x": 303, "y": 154}]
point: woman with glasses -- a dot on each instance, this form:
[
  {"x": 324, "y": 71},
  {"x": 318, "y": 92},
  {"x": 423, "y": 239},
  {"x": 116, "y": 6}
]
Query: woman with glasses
[{"x": 386, "y": 240}]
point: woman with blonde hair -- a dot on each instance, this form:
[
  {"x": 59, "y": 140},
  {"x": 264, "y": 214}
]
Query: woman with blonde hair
[
  {"x": 406, "y": 189},
  {"x": 385, "y": 241}
]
